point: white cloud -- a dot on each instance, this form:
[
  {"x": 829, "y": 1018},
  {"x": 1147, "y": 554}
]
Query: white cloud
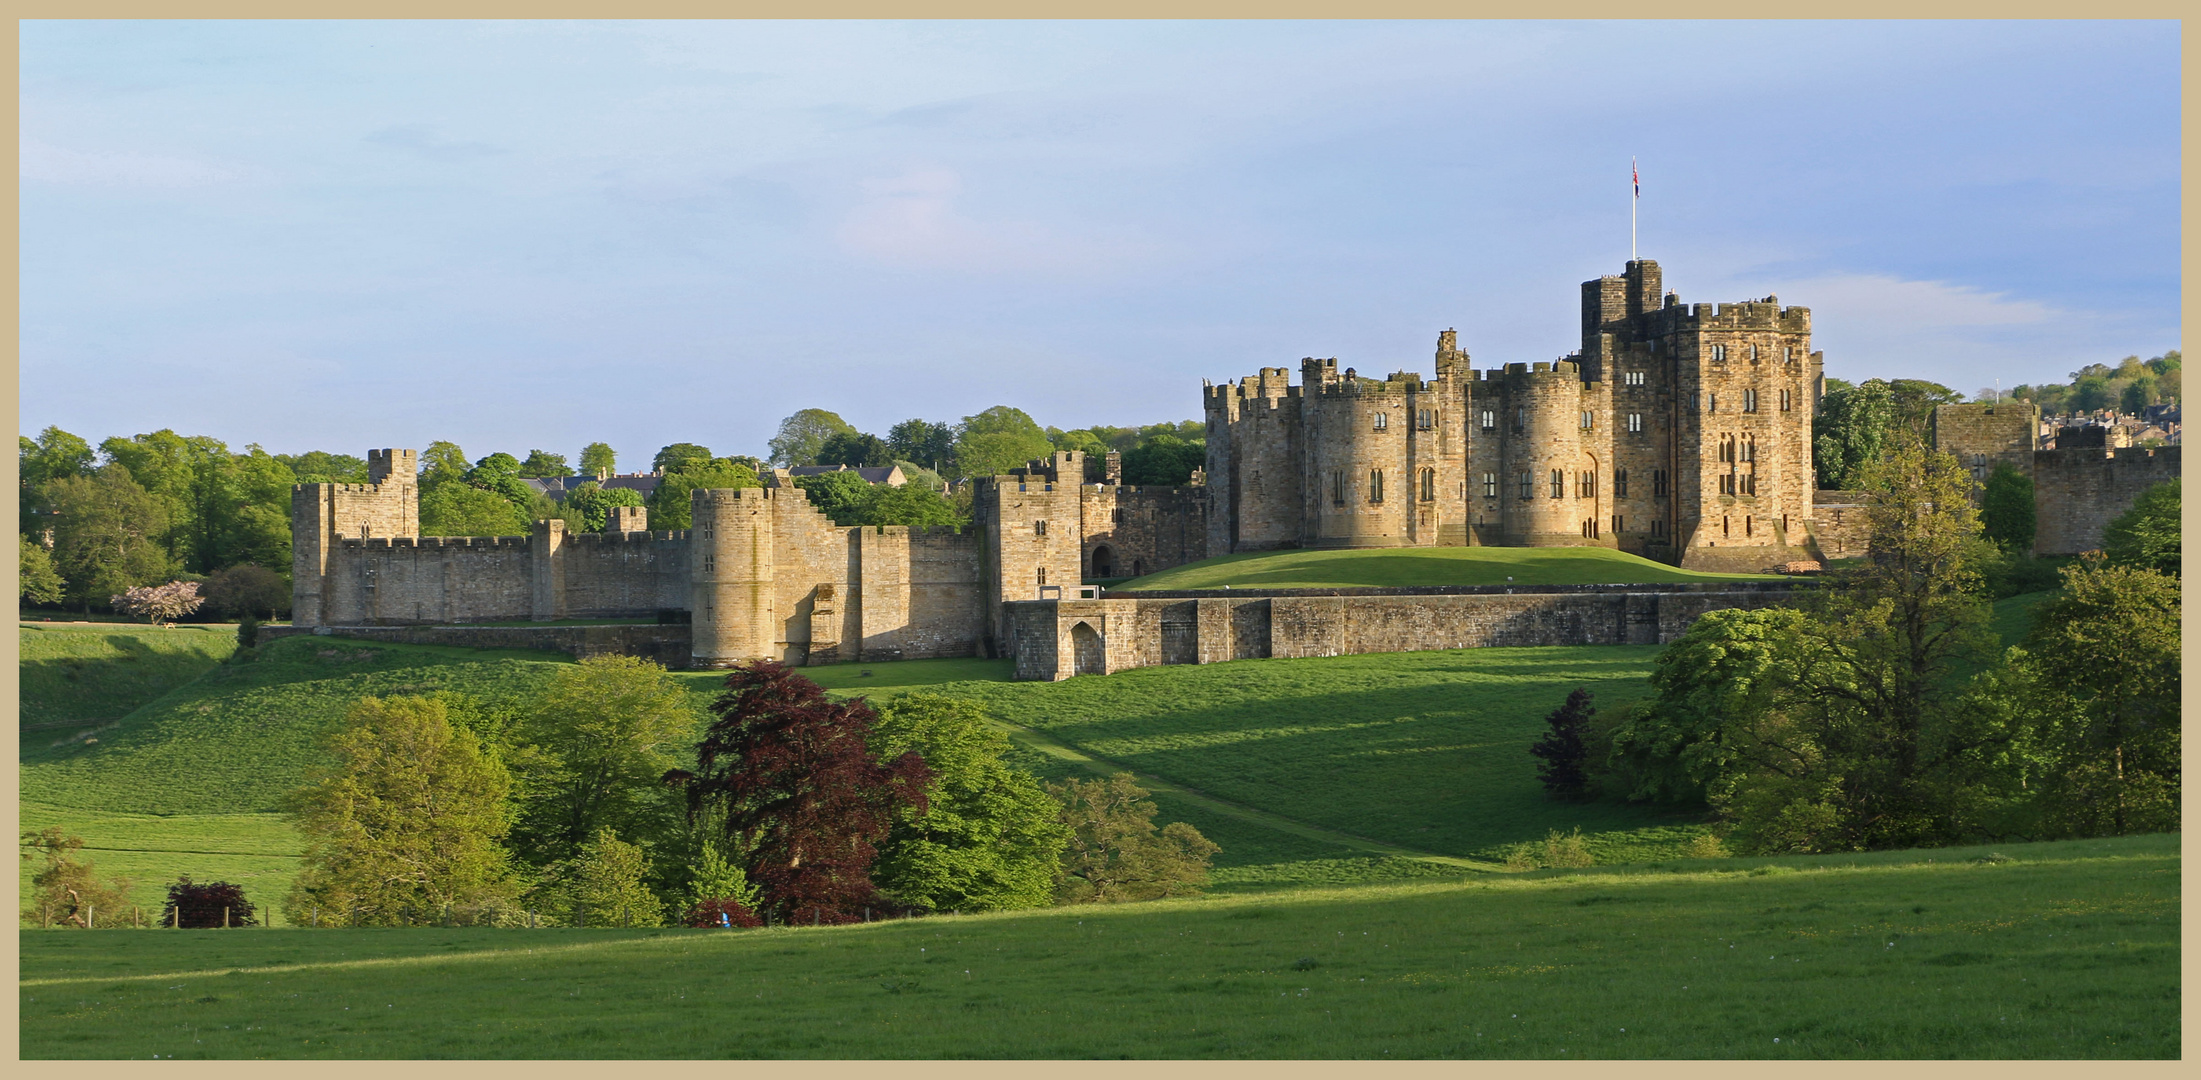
[
  {"x": 116, "y": 168},
  {"x": 914, "y": 221}
]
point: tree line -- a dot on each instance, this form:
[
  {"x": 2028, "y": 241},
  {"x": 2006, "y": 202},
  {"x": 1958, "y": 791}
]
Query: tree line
[
  {"x": 1880, "y": 710},
  {"x": 989, "y": 443}
]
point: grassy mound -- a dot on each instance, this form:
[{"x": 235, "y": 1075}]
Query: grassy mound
[
  {"x": 1424, "y": 566},
  {"x": 2066, "y": 950},
  {"x": 90, "y": 674}
]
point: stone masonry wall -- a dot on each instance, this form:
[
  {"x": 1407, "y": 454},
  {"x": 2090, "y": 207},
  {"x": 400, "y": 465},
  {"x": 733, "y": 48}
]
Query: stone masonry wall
[{"x": 2077, "y": 493}]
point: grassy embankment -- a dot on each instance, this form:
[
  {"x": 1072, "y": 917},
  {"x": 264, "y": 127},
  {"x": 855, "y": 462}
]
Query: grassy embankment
[
  {"x": 1425, "y": 566},
  {"x": 1339, "y": 770},
  {"x": 2066, "y": 950}
]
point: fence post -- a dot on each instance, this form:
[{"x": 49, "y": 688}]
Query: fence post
[
  {"x": 225, "y": 916},
  {"x": 179, "y": 917}
]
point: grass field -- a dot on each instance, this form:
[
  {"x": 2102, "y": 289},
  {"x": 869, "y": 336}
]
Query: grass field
[
  {"x": 1424, "y": 566},
  {"x": 81, "y": 676},
  {"x": 2066, "y": 950}
]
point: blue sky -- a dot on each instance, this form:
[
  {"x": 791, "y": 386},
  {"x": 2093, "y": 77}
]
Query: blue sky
[{"x": 520, "y": 235}]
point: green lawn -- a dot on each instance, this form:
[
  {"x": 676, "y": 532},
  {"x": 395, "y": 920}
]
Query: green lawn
[
  {"x": 82, "y": 676},
  {"x": 1424, "y": 566},
  {"x": 2066, "y": 950}
]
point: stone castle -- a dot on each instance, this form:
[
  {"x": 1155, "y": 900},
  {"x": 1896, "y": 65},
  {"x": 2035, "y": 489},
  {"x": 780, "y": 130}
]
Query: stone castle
[{"x": 1680, "y": 433}]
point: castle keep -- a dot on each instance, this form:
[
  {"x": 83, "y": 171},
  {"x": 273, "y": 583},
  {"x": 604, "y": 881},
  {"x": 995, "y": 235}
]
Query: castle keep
[{"x": 1677, "y": 432}]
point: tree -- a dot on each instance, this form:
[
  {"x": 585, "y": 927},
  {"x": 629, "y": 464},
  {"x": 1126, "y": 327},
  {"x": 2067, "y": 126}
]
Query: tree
[
  {"x": 37, "y": 580},
  {"x": 680, "y": 457},
  {"x": 322, "y": 467},
  {"x": 1164, "y": 459},
  {"x": 248, "y": 589},
  {"x": 106, "y": 529},
  {"x": 672, "y": 504},
  {"x": 2006, "y": 509},
  {"x": 67, "y": 891},
  {"x": 990, "y": 838},
  {"x": 2138, "y": 395},
  {"x": 597, "y": 459},
  {"x": 53, "y": 455},
  {"x": 855, "y": 450},
  {"x": 914, "y": 503},
  {"x": 2147, "y": 535},
  {"x": 924, "y": 442},
  {"x": 715, "y": 878},
  {"x": 1721, "y": 689},
  {"x": 802, "y": 435},
  {"x": 2104, "y": 655},
  {"x": 787, "y": 774},
  {"x": 541, "y": 464},
  {"x": 998, "y": 439},
  {"x": 465, "y": 510},
  {"x": 1115, "y": 855},
  {"x": 404, "y": 822},
  {"x": 159, "y": 603},
  {"x": 1851, "y": 429},
  {"x": 211, "y": 905},
  {"x": 1563, "y": 758},
  {"x": 602, "y": 885},
  {"x": 841, "y": 496},
  {"x": 442, "y": 463},
  {"x": 606, "y": 729},
  {"x": 589, "y": 506},
  {"x": 1913, "y": 402}
]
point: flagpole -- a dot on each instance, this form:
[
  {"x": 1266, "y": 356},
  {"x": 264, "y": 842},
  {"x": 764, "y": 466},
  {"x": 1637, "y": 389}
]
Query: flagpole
[{"x": 1635, "y": 182}]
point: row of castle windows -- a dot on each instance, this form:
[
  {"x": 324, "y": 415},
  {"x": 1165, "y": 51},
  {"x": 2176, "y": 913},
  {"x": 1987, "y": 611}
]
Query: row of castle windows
[
  {"x": 1424, "y": 420},
  {"x": 1585, "y": 484},
  {"x": 1750, "y": 401},
  {"x": 1719, "y": 352}
]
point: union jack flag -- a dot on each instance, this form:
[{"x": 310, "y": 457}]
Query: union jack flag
[{"x": 1635, "y": 178}]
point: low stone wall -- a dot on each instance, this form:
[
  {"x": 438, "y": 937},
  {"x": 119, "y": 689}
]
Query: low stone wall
[
  {"x": 668, "y": 645},
  {"x": 1060, "y": 638}
]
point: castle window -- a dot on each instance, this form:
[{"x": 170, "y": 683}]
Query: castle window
[
  {"x": 1526, "y": 484},
  {"x": 1043, "y": 575},
  {"x": 1425, "y": 419},
  {"x": 1520, "y": 419},
  {"x": 1490, "y": 485},
  {"x": 1620, "y": 487},
  {"x": 1753, "y": 354},
  {"x": 1337, "y": 487},
  {"x": 1711, "y": 402},
  {"x": 1585, "y": 419},
  {"x": 1383, "y": 421},
  {"x": 1117, "y": 516},
  {"x": 1658, "y": 530},
  {"x": 1585, "y": 485},
  {"x": 1723, "y": 526},
  {"x": 1558, "y": 484},
  {"x": 1658, "y": 482},
  {"x": 1750, "y": 448},
  {"x": 1788, "y": 353},
  {"x": 1039, "y": 528},
  {"x": 1375, "y": 485},
  {"x": 1785, "y": 401},
  {"x": 1631, "y": 378},
  {"x": 710, "y": 563},
  {"x": 1429, "y": 485},
  {"x": 1490, "y": 419},
  {"x": 1750, "y": 401},
  {"x": 1746, "y": 525},
  {"x": 1719, "y": 352},
  {"x": 1619, "y": 524},
  {"x": 1635, "y": 421}
]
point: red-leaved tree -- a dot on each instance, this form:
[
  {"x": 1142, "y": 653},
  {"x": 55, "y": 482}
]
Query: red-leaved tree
[{"x": 786, "y": 769}]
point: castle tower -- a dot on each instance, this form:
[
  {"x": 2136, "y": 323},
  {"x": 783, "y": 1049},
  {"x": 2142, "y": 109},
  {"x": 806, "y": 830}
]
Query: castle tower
[
  {"x": 387, "y": 506},
  {"x": 1031, "y": 539},
  {"x": 732, "y": 572}
]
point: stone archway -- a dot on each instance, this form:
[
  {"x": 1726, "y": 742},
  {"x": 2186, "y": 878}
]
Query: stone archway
[
  {"x": 1104, "y": 562},
  {"x": 1089, "y": 654}
]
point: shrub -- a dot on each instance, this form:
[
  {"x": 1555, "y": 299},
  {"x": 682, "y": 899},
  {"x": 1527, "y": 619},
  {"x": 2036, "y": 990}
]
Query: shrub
[
  {"x": 159, "y": 602},
  {"x": 209, "y": 906},
  {"x": 1563, "y": 755},
  {"x": 248, "y": 590},
  {"x": 1567, "y": 850},
  {"x": 66, "y": 891},
  {"x": 1115, "y": 854},
  {"x": 720, "y": 913}
]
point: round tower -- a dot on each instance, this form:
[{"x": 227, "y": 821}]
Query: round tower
[
  {"x": 1543, "y": 439},
  {"x": 730, "y": 567},
  {"x": 1359, "y": 476}
]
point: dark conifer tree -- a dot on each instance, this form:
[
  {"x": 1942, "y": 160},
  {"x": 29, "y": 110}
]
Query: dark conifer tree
[{"x": 1564, "y": 768}]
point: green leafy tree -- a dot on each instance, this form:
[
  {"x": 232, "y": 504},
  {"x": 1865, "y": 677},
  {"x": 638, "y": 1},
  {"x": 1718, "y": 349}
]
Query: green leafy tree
[
  {"x": 605, "y": 730},
  {"x": 803, "y": 435},
  {"x": 716, "y": 877},
  {"x": 597, "y": 459},
  {"x": 405, "y": 821},
  {"x": 53, "y": 455},
  {"x": 37, "y": 580},
  {"x": 589, "y": 506},
  {"x": 603, "y": 884},
  {"x": 1562, "y": 757},
  {"x": 67, "y": 892},
  {"x": 465, "y": 510},
  {"x": 855, "y": 450},
  {"x": 2092, "y": 393},
  {"x": 672, "y": 504},
  {"x": 1115, "y": 854},
  {"x": 842, "y": 496},
  {"x": 997, "y": 440},
  {"x": 1913, "y": 402},
  {"x": 680, "y": 457},
  {"x": 2103, "y": 657},
  {"x": 2006, "y": 509},
  {"x": 2147, "y": 535},
  {"x": 915, "y": 503},
  {"x": 925, "y": 442},
  {"x": 540, "y": 464},
  {"x": 2138, "y": 395},
  {"x": 442, "y": 463},
  {"x": 1721, "y": 689},
  {"x": 1851, "y": 429},
  {"x": 1164, "y": 459},
  {"x": 106, "y": 531},
  {"x": 247, "y": 589},
  {"x": 322, "y": 467},
  {"x": 990, "y": 838}
]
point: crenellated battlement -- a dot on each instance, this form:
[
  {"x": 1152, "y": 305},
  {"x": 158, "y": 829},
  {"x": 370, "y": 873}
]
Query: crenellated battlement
[{"x": 386, "y": 543}]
